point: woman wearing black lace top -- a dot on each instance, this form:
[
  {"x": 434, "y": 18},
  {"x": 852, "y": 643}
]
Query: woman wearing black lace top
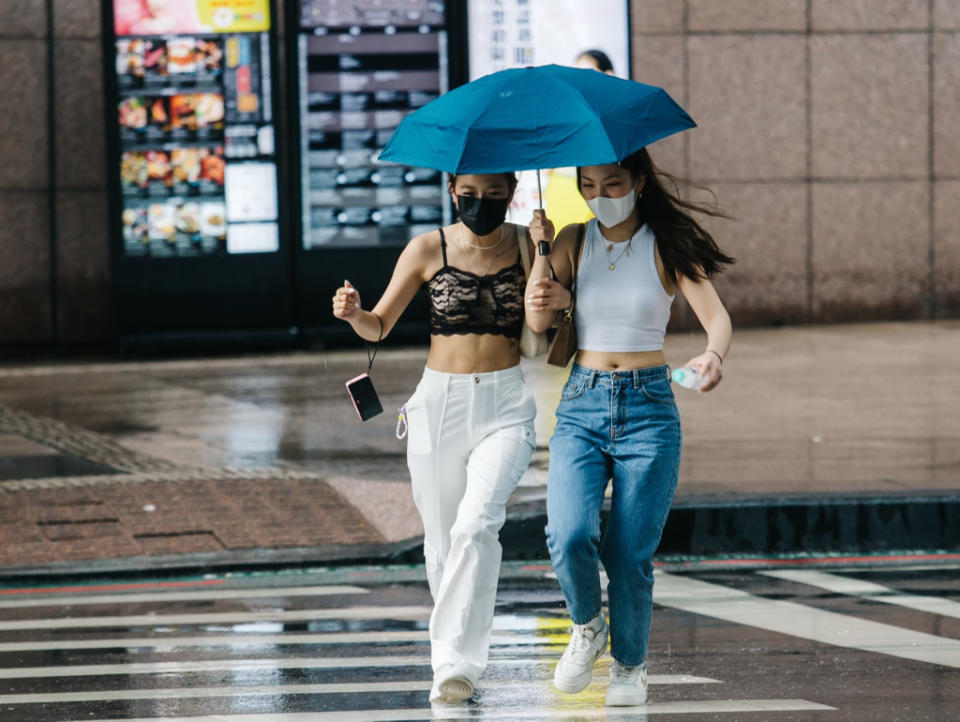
[{"x": 471, "y": 418}]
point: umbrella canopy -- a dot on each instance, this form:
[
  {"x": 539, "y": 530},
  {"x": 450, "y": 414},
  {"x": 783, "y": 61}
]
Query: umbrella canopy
[{"x": 542, "y": 117}]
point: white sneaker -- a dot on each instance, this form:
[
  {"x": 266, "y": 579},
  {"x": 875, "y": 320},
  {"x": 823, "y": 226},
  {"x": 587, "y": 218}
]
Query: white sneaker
[
  {"x": 450, "y": 686},
  {"x": 628, "y": 685},
  {"x": 587, "y": 642}
]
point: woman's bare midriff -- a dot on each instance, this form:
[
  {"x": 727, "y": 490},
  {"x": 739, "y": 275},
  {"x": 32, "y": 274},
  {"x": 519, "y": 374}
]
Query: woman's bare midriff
[
  {"x": 466, "y": 353},
  {"x": 620, "y": 361}
]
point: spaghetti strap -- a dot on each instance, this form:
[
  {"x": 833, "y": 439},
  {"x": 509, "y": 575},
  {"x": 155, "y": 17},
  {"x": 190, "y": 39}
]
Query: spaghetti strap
[{"x": 443, "y": 246}]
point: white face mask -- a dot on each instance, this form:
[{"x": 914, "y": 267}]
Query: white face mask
[{"x": 613, "y": 211}]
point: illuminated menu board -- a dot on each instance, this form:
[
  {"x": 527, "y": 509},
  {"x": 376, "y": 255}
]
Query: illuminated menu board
[
  {"x": 363, "y": 66},
  {"x": 197, "y": 158}
]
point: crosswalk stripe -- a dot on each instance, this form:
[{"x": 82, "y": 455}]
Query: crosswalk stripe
[
  {"x": 874, "y": 592},
  {"x": 179, "y": 596},
  {"x": 723, "y": 706},
  {"x": 257, "y": 665},
  {"x": 243, "y": 639},
  {"x": 157, "y": 620},
  {"x": 232, "y": 691},
  {"x": 234, "y": 640},
  {"x": 798, "y": 620}
]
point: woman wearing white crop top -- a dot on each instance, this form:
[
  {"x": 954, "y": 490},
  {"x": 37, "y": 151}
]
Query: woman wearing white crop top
[{"x": 617, "y": 418}]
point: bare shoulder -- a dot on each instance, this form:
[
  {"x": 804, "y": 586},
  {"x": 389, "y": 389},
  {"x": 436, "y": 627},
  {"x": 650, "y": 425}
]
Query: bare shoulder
[
  {"x": 424, "y": 246},
  {"x": 567, "y": 237},
  {"x": 423, "y": 253}
]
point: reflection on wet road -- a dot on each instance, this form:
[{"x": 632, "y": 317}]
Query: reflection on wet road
[{"x": 856, "y": 643}]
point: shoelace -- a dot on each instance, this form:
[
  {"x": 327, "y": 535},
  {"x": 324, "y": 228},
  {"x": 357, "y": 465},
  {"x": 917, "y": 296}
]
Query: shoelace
[
  {"x": 627, "y": 675},
  {"x": 581, "y": 639}
]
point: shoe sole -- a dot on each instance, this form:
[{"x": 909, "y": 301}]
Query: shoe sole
[
  {"x": 578, "y": 683},
  {"x": 454, "y": 690},
  {"x": 625, "y": 700}
]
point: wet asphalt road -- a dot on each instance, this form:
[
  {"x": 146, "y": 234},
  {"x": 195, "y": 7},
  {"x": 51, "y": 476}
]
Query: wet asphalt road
[{"x": 860, "y": 642}]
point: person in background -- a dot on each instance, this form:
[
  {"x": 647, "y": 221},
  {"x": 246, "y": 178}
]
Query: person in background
[
  {"x": 594, "y": 59},
  {"x": 617, "y": 417},
  {"x": 560, "y": 194},
  {"x": 470, "y": 419}
]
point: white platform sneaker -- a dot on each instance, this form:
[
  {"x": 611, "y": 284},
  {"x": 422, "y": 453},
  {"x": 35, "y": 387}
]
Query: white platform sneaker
[
  {"x": 628, "y": 685},
  {"x": 575, "y": 669}
]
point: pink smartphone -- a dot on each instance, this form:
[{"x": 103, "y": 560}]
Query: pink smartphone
[{"x": 364, "y": 397}]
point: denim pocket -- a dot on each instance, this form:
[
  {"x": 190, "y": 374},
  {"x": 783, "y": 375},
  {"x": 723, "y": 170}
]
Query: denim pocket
[
  {"x": 659, "y": 391},
  {"x": 573, "y": 389}
]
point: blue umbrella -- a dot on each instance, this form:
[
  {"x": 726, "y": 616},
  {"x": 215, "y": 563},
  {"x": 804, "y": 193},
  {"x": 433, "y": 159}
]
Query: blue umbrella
[{"x": 528, "y": 118}]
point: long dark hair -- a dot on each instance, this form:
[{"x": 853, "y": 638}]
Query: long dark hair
[{"x": 686, "y": 248}]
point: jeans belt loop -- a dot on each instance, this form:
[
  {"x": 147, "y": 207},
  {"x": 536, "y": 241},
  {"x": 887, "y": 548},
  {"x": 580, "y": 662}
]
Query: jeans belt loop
[
  {"x": 593, "y": 379},
  {"x": 636, "y": 378}
]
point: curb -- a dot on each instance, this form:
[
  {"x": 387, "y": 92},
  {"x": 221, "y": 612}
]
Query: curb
[{"x": 698, "y": 527}]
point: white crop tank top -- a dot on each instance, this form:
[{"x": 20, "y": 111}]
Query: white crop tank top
[{"x": 625, "y": 309}]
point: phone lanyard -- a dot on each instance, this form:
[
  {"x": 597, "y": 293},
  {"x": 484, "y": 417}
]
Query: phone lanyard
[{"x": 376, "y": 346}]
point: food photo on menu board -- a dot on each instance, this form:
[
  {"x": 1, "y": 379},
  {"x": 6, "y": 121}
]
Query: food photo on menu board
[
  {"x": 175, "y": 227},
  {"x": 144, "y": 118},
  {"x": 197, "y": 170},
  {"x": 146, "y": 62},
  {"x": 171, "y": 17},
  {"x": 196, "y": 112},
  {"x": 141, "y": 61}
]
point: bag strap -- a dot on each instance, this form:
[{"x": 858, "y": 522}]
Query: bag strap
[
  {"x": 576, "y": 264},
  {"x": 524, "y": 249}
]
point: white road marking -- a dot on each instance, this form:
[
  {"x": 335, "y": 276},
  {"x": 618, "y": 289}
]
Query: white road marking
[
  {"x": 869, "y": 590},
  {"x": 166, "y": 620},
  {"x": 258, "y": 665},
  {"x": 177, "y": 596},
  {"x": 798, "y": 620},
  {"x": 240, "y": 638},
  {"x": 233, "y": 691},
  {"x": 228, "y": 640},
  {"x": 724, "y": 706}
]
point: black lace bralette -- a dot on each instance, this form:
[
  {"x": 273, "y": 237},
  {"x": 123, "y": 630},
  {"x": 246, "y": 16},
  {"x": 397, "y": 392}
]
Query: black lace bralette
[{"x": 462, "y": 302}]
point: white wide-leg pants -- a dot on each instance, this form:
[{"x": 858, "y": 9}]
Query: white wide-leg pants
[{"x": 470, "y": 439}]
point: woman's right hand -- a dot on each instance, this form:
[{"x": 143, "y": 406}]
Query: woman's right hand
[
  {"x": 548, "y": 295},
  {"x": 346, "y": 302},
  {"x": 541, "y": 228}
]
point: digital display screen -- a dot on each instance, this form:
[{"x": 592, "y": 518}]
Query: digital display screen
[
  {"x": 363, "y": 66},
  {"x": 197, "y": 165}
]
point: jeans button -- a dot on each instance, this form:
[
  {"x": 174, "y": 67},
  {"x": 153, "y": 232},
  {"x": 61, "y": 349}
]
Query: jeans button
[{"x": 476, "y": 379}]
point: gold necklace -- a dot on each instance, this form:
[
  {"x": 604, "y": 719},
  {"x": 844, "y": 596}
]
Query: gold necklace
[
  {"x": 465, "y": 242},
  {"x": 494, "y": 256},
  {"x": 626, "y": 249}
]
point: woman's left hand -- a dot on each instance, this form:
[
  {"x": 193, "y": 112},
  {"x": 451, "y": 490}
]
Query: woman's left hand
[
  {"x": 709, "y": 367},
  {"x": 548, "y": 295}
]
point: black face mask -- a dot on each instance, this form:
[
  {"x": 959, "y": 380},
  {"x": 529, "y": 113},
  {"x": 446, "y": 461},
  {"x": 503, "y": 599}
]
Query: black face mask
[{"x": 482, "y": 215}]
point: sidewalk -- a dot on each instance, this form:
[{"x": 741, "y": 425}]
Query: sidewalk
[{"x": 834, "y": 438}]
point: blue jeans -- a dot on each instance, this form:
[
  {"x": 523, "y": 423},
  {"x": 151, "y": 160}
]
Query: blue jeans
[{"x": 622, "y": 425}]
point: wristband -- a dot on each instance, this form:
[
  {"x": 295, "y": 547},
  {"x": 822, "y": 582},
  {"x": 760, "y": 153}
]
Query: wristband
[{"x": 710, "y": 350}]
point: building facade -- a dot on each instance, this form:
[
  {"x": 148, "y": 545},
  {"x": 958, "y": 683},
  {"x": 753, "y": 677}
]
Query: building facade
[{"x": 828, "y": 129}]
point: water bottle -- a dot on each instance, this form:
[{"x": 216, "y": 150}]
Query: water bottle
[{"x": 686, "y": 377}]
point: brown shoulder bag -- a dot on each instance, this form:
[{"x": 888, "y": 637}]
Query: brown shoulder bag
[{"x": 564, "y": 344}]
